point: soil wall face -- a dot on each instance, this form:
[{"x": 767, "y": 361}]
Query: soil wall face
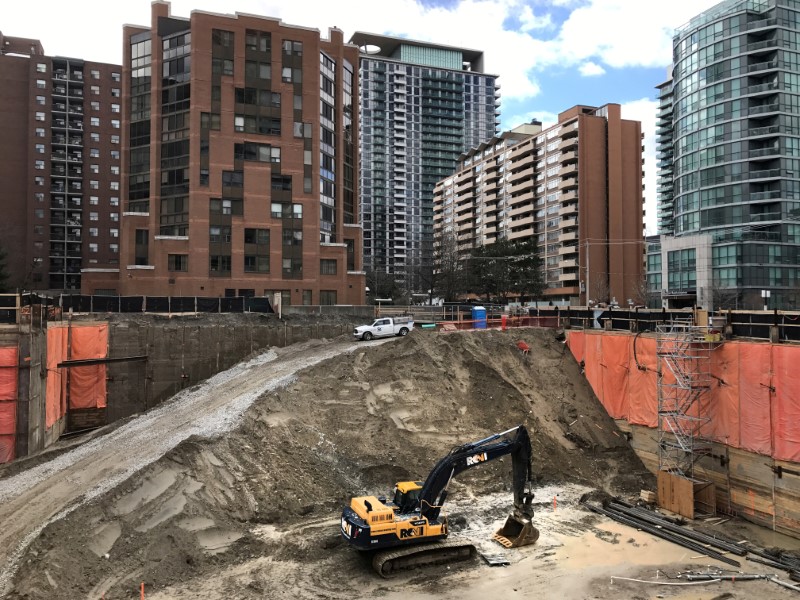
[{"x": 183, "y": 351}]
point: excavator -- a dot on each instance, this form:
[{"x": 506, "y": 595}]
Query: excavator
[{"x": 410, "y": 530}]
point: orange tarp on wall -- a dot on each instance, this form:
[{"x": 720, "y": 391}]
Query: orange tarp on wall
[
  {"x": 642, "y": 390},
  {"x": 615, "y": 369},
  {"x": 56, "y": 396},
  {"x": 744, "y": 412},
  {"x": 786, "y": 408},
  {"x": 593, "y": 356},
  {"x": 722, "y": 404},
  {"x": 87, "y": 385},
  {"x": 575, "y": 341},
  {"x": 755, "y": 422},
  {"x": 8, "y": 402}
]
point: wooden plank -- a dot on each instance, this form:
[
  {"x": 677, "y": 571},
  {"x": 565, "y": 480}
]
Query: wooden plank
[
  {"x": 676, "y": 494},
  {"x": 787, "y": 499},
  {"x": 751, "y": 482}
]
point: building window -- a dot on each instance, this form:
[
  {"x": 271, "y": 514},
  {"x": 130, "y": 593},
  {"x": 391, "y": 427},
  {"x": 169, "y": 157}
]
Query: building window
[
  {"x": 39, "y": 164},
  {"x": 114, "y": 216},
  {"x": 40, "y": 116},
  {"x": 115, "y": 123},
  {"x": 38, "y": 180},
  {"x": 94, "y": 121},
  {"x": 115, "y": 76},
  {"x": 178, "y": 262},
  {"x": 219, "y": 264},
  {"x": 40, "y": 148},
  {"x": 327, "y": 266},
  {"x": 115, "y": 92},
  {"x": 115, "y": 108},
  {"x": 115, "y": 139},
  {"x": 95, "y": 74},
  {"x": 218, "y": 234},
  {"x": 95, "y": 185},
  {"x": 115, "y": 154},
  {"x": 40, "y": 100},
  {"x": 95, "y": 105},
  {"x": 93, "y": 248},
  {"x": 114, "y": 186},
  {"x": 93, "y": 216},
  {"x": 115, "y": 169},
  {"x": 114, "y": 233},
  {"x": 327, "y": 297},
  {"x": 40, "y": 132},
  {"x": 39, "y": 196},
  {"x": 113, "y": 201},
  {"x": 38, "y": 213},
  {"x": 113, "y": 248},
  {"x": 94, "y": 200},
  {"x": 95, "y": 90},
  {"x": 254, "y": 263},
  {"x": 41, "y": 68},
  {"x": 41, "y": 84},
  {"x": 93, "y": 231},
  {"x": 94, "y": 153},
  {"x": 95, "y": 137}
]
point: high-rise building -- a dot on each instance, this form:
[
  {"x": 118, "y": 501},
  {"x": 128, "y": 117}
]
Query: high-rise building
[
  {"x": 59, "y": 165},
  {"x": 734, "y": 201},
  {"x": 575, "y": 188},
  {"x": 422, "y": 105},
  {"x": 240, "y": 161}
]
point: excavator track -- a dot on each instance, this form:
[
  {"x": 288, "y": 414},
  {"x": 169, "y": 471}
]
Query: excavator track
[{"x": 388, "y": 562}]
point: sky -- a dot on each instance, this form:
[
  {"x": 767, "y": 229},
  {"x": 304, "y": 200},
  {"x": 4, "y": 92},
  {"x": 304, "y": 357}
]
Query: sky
[{"x": 549, "y": 54}]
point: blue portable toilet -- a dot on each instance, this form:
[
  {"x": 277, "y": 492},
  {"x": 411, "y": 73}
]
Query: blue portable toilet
[{"x": 479, "y": 317}]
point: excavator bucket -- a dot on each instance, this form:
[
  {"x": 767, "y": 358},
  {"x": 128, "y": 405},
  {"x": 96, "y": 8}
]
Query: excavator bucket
[{"x": 516, "y": 532}]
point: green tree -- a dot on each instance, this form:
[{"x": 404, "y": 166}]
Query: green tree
[
  {"x": 507, "y": 267},
  {"x": 3, "y": 271}
]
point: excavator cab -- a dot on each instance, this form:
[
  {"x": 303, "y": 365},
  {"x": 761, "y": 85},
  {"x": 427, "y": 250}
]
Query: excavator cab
[{"x": 406, "y": 496}]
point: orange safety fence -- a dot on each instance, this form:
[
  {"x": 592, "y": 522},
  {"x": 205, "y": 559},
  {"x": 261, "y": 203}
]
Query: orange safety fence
[
  {"x": 642, "y": 385},
  {"x": 8, "y": 402},
  {"x": 87, "y": 385},
  {"x": 56, "y": 393},
  {"x": 755, "y": 422},
  {"x": 753, "y": 402},
  {"x": 786, "y": 408}
]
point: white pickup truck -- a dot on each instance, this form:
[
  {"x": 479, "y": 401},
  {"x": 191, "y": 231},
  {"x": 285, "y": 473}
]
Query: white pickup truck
[{"x": 385, "y": 326}]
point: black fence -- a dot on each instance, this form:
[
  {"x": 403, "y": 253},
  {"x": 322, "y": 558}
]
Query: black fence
[
  {"x": 163, "y": 304},
  {"x": 11, "y": 304},
  {"x": 746, "y": 324}
]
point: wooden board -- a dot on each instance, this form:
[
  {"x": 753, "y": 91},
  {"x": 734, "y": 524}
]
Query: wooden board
[{"x": 676, "y": 494}]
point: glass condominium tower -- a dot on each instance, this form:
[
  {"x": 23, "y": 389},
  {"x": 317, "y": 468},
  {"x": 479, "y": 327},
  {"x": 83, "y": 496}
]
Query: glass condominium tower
[
  {"x": 735, "y": 95},
  {"x": 422, "y": 106}
]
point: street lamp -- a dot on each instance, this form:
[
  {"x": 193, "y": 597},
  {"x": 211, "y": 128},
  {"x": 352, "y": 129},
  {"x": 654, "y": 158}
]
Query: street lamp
[{"x": 765, "y": 294}]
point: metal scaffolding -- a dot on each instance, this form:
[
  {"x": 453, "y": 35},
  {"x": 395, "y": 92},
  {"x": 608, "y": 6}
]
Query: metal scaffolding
[{"x": 684, "y": 383}]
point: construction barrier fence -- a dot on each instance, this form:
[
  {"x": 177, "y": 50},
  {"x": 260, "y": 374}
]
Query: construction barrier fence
[
  {"x": 8, "y": 402},
  {"x": 753, "y": 404}
]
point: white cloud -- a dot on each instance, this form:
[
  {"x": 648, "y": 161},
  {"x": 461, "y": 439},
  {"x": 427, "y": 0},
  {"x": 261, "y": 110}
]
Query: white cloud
[
  {"x": 531, "y": 22},
  {"x": 591, "y": 69}
]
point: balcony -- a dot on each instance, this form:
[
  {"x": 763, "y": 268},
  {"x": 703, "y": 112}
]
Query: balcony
[
  {"x": 568, "y": 236},
  {"x": 569, "y": 184}
]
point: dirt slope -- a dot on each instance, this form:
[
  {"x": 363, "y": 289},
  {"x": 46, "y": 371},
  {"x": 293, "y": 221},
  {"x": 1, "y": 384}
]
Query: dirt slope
[{"x": 249, "y": 509}]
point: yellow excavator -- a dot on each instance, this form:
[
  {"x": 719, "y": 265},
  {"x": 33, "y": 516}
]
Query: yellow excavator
[{"x": 410, "y": 530}]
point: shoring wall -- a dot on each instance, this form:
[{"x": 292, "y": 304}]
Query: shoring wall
[{"x": 754, "y": 408}]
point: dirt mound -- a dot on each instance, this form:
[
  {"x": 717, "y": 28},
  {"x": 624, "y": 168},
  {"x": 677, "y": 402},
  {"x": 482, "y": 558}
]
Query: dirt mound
[{"x": 262, "y": 504}]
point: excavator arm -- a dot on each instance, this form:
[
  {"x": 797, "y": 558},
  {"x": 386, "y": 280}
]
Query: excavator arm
[{"x": 514, "y": 441}]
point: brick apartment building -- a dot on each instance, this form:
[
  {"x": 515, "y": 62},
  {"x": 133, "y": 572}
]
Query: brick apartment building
[
  {"x": 60, "y": 160},
  {"x": 240, "y": 162},
  {"x": 576, "y": 187}
]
